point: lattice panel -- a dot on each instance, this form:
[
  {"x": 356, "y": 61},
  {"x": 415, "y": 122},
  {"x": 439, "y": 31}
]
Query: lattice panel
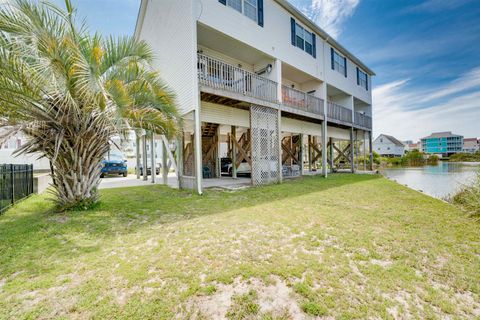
[{"x": 264, "y": 145}]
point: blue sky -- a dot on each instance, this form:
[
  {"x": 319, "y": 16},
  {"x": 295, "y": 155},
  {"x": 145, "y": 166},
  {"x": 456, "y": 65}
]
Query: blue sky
[{"x": 426, "y": 55}]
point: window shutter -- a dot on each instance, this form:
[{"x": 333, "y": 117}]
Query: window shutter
[
  {"x": 331, "y": 58},
  {"x": 314, "y": 46},
  {"x": 224, "y": 2},
  {"x": 292, "y": 22},
  {"x": 358, "y": 77},
  {"x": 260, "y": 13},
  {"x": 366, "y": 84},
  {"x": 345, "y": 59}
]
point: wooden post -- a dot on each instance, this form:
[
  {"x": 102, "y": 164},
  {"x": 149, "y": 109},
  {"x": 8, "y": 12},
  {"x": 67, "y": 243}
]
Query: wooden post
[
  {"x": 137, "y": 151},
  {"x": 331, "y": 154},
  {"x": 233, "y": 135},
  {"x": 324, "y": 146},
  {"x": 165, "y": 167},
  {"x": 153, "y": 156},
  {"x": 300, "y": 153},
  {"x": 217, "y": 153},
  {"x": 352, "y": 151},
  {"x": 280, "y": 162},
  {"x": 309, "y": 153}
]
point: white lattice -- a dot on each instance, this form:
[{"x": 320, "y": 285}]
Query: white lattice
[{"x": 265, "y": 145}]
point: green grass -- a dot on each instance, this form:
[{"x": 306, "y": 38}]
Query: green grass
[{"x": 350, "y": 246}]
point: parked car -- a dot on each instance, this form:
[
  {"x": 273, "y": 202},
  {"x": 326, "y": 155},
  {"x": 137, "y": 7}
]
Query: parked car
[
  {"x": 227, "y": 168},
  {"x": 114, "y": 166},
  {"x": 149, "y": 171}
]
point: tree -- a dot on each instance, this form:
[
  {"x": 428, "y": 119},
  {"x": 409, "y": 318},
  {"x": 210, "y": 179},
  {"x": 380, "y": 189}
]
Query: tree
[{"x": 70, "y": 92}]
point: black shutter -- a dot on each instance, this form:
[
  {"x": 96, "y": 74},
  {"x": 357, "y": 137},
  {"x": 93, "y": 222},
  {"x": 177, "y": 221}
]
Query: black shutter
[
  {"x": 260, "y": 13},
  {"x": 331, "y": 58},
  {"x": 366, "y": 83},
  {"x": 358, "y": 77},
  {"x": 292, "y": 23},
  {"x": 314, "y": 46},
  {"x": 345, "y": 60},
  {"x": 224, "y": 2}
]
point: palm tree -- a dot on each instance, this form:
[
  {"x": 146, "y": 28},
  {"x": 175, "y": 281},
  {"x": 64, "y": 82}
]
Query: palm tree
[{"x": 70, "y": 92}]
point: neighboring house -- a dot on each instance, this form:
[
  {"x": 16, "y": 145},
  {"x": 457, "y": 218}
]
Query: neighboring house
[
  {"x": 256, "y": 81},
  {"x": 7, "y": 155},
  {"x": 388, "y": 146},
  {"x": 410, "y": 145},
  {"x": 442, "y": 143},
  {"x": 471, "y": 145}
]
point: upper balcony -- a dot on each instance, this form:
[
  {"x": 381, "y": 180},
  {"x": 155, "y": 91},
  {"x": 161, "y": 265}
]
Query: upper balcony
[
  {"x": 218, "y": 77},
  {"x": 301, "y": 101}
]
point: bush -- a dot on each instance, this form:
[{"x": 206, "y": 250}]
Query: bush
[
  {"x": 469, "y": 198},
  {"x": 465, "y": 157}
]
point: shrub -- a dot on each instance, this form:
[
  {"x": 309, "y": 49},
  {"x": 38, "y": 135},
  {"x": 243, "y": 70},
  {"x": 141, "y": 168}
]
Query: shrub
[{"x": 469, "y": 198}]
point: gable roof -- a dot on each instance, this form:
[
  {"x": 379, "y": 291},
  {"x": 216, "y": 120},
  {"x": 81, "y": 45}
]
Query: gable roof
[
  {"x": 444, "y": 134},
  {"x": 394, "y": 140}
]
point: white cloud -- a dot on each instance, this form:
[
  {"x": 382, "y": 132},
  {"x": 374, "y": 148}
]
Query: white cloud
[
  {"x": 330, "y": 14},
  {"x": 403, "y": 113}
]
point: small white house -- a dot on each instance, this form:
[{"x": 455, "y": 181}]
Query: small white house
[{"x": 388, "y": 146}]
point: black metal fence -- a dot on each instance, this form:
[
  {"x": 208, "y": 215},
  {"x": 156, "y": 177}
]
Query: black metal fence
[{"x": 16, "y": 183}]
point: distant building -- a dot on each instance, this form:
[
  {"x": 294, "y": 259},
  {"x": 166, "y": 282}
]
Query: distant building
[
  {"x": 471, "y": 145},
  {"x": 388, "y": 146},
  {"x": 442, "y": 143},
  {"x": 410, "y": 146},
  {"x": 8, "y": 156}
]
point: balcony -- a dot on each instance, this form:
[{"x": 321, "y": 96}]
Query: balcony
[
  {"x": 338, "y": 113},
  {"x": 363, "y": 120},
  {"x": 302, "y": 101},
  {"x": 220, "y": 76}
]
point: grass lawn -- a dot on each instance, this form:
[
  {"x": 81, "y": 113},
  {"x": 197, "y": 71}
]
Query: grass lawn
[{"x": 351, "y": 246}]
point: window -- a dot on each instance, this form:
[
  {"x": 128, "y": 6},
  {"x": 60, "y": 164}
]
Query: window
[
  {"x": 303, "y": 38},
  {"x": 362, "y": 79},
  {"x": 339, "y": 63},
  {"x": 250, "y": 8}
]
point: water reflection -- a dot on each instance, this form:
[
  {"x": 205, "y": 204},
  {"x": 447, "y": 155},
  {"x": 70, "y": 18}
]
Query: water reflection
[{"x": 439, "y": 181}]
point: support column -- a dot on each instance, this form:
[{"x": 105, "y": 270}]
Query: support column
[
  {"x": 370, "y": 149},
  {"x": 309, "y": 153},
  {"x": 144, "y": 156},
  {"x": 198, "y": 149},
  {"x": 137, "y": 155},
  {"x": 364, "y": 151},
  {"x": 352, "y": 151},
  {"x": 233, "y": 135},
  {"x": 331, "y": 154},
  {"x": 180, "y": 159},
  {"x": 165, "y": 167},
  {"x": 279, "y": 123},
  {"x": 153, "y": 156},
  {"x": 300, "y": 156},
  {"x": 217, "y": 153},
  {"x": 324, "y": 147}
]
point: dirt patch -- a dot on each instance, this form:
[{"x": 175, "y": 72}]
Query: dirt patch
[
  {"x": 381, "y": 263},
  {"x": 275, "y": 298}
]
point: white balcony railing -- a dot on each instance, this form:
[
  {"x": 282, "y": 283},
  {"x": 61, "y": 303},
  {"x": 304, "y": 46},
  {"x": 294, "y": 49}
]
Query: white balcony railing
[
  {"x": 363, "y": 120},
  {"x": 300, "y": 100},
  {"x": 217, "y": 74},
  {"x": 338, "y": 112}
]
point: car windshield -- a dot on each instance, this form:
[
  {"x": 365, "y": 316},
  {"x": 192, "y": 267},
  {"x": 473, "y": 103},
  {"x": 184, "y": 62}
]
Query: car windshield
[{"x": 115, "y": 156}]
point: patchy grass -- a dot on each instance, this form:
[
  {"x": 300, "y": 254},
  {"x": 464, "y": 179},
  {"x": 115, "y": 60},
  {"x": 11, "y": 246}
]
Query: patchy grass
[{"x": 351, "y": 246}]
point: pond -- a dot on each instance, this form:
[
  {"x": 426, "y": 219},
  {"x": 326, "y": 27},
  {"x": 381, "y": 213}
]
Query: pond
[{"x": 438, "y": 181}]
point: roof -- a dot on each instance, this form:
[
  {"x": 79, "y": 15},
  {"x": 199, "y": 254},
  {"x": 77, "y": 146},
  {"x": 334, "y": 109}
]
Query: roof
[
  {"x": 394, "y": 140},
  {"x": 444, "y": 134},
  {"x": 295, "y": 12},
  {"x": 470, "y": 139},
  {"x": 307, "y": 21}
]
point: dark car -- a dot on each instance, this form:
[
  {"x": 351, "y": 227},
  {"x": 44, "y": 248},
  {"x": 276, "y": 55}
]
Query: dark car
[
  {"x": 149, "y": 171},
  {"x": 118, "y": 167}
]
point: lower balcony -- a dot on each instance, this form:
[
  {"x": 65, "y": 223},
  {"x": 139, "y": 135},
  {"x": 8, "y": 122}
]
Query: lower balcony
[
  {"x": 362, "y": 120},
  {"x": 236, "y": 82}
]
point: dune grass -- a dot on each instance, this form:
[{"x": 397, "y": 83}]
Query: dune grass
[{"x": 350, "y": 246}]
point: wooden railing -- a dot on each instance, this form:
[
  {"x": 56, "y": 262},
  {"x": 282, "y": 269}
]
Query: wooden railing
[
  {"x": 217, "y": 74},
  {"x": 338, "y": 112},
  {"x": 363, "y": 120},
  {"x": 300, "y": 100}
]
